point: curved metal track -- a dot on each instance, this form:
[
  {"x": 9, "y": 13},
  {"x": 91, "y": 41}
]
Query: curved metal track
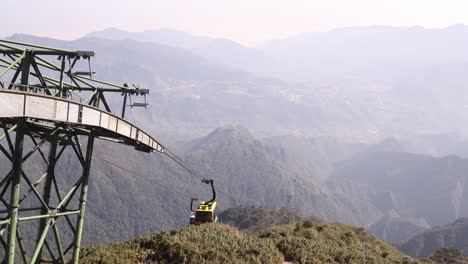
[{"x": 18, "y": 104}]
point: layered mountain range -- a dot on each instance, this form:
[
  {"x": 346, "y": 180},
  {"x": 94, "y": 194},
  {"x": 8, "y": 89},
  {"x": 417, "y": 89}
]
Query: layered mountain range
[{"x": 364, "y": 126}]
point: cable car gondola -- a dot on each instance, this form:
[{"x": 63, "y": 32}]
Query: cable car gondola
[{"x": 205, "y": 212}]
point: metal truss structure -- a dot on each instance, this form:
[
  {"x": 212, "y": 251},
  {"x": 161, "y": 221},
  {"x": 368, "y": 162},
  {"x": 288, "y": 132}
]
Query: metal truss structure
[{"x": 41, "y": 212}]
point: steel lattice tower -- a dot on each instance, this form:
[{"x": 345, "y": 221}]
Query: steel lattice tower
[{"x": 40, "y": 122}]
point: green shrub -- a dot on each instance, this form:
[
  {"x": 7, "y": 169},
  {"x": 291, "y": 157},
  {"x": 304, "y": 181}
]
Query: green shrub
[
  {"x": 332, "y": 243},
  {"x": 301, "y": 242},
  {"x": 211, "y": 243},
  {"x": 307, "y": 224}
]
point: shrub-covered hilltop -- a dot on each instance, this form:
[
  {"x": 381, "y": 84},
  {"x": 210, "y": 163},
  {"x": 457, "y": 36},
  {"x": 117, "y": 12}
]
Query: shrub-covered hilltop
[
  {"x": 257, "y": 218},
  {"x": 301, "y": 242},
  {"x": 260, "y": 235}
]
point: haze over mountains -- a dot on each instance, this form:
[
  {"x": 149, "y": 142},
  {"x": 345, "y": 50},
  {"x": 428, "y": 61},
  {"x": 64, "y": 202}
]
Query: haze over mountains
[
  {"x": 370, "y": 81},
  {"x": 309, "y": 56},
  {"x": 354, "y": 124}
]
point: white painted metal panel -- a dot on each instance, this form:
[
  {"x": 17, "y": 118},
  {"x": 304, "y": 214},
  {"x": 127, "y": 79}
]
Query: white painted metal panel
[
  {"x": 49, "y": 108},
  {"x": 90, "y": 116},
  {"x": 104, "y": 120},
  {"x": 112, "y": 123},
  {"x": 11, "y": 105},
  {"x": 40, "y": 107},
  {"x": 145, "y": 139},
  {"x": 61, "y": 111},
  {"x": 123, "y": 128},
  {"x": 140, "y": 136},
  {"x": 134, "y": 131},
  {"x": 158, "y": 147},
  {"x": 73, "y": 113}
]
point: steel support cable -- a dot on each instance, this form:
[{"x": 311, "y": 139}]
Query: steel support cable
[
  {"x": 139, "y": 175},
  {"x": 230, "y": 196},
  {"x": 193, "y": 172},
  {"x": 177, "y": 160},
  {"x": 181, "y": 163}
]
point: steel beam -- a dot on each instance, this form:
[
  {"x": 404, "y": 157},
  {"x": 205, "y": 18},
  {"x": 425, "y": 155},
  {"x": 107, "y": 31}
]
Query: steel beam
[
  {"x": 61, "y": 51},
  {"x": 48, "y": 187},
  {"x": 15, "y": 189},
  {"x": 83, "y": 198},
  {"x": 11, "y": 65},
  {"x": 59, "y": 243},
  {"x": 26, "y": 67},
  {"x": 48, "y": 215}
]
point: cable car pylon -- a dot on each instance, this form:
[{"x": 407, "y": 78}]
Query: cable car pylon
[{"x": 39, "y": 118}]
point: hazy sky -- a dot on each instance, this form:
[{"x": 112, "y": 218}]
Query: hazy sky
[{"x": 245, "y": 21}]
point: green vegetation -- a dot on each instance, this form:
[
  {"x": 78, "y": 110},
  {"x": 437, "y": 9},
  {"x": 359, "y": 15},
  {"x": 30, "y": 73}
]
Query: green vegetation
[
  {"x": 211, "y": 243},
  {"x": 307, "y": 242},
  {"x": 256, "y": 218},
  {"x": 300, "y": 242}
]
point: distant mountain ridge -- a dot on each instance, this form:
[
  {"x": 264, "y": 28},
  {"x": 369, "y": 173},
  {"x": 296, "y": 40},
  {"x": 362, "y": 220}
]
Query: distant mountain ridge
[
  {"x": 396, "y": 229},
  {"x": 223, "y": 51},
  {"x": 167, "y": 62},
  {"x": 358, "y": 49},
  {"x": 194, "y": 93},
  {"x": 451, "y": 235},
  {"x": 167, "y": 37},
  {"x": 413, "y": 185},
  {"x": 382, "y": 51}
]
